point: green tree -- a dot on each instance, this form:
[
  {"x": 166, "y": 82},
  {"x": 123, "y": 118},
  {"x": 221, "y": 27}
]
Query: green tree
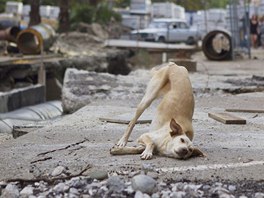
[
  {"x": 122, "y": 3},
  {"x": 100, "y": 13}
]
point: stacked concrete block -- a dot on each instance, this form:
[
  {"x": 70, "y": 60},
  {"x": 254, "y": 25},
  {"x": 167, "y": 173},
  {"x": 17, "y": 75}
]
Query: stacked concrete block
[
  {"x": 18, "y": 98},
  {"x": 167, "y": 10}
]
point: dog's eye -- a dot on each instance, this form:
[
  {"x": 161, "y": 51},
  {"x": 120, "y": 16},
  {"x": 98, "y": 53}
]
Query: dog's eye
[
  {"x": 182, "y": 140},
  {"x": 191, "y": 150}
]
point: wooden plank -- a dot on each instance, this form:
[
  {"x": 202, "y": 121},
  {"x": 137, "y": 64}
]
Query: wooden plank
[
  {"x": 26, "y": 59},
  {"x": 123, "y": 121},
  {"x": 246, "y": 110},
  {"x": 227, "y": 118}
]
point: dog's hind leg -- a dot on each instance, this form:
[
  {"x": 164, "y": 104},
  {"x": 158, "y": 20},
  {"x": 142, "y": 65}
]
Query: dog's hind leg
[
  {"x": 157, "y": 82},
  {"x": 127, "y": 150}
]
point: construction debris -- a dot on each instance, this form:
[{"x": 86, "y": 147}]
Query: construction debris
[
  {"x": 217, "y": 45},
  {"x": 227, "y": 118},
  {"x": 32, "y": 39}
]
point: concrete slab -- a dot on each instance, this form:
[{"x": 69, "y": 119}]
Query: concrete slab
[{"x": 234, "y": 152}]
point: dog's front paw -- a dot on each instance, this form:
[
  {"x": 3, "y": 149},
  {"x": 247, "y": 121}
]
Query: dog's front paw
[
  {"x": 114, "y": 150},
  {"x": 146, "y": 155},
  {"x": 122, "y": 142}
]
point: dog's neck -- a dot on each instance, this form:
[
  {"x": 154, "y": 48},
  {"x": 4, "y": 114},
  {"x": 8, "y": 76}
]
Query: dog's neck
[{"x": 164, "y": 144}]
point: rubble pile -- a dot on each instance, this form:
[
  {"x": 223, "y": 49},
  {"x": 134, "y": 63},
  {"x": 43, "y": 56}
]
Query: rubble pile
[
  {"x": 137, "y": 186},
  {"x": 87, "y": 52}
]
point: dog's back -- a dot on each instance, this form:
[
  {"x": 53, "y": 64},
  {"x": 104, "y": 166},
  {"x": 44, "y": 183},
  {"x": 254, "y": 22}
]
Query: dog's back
[{"x": 177, "y": 101}]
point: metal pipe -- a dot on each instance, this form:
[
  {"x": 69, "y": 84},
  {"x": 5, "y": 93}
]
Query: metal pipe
[
  {"x": 9, "y": 34},
  {"x": 31, "y": 40}
]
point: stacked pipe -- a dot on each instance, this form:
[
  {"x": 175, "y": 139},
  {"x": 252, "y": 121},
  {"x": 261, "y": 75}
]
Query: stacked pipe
[
  {"x": 217, "y": 45},
  {"x": 31, "y": 39}
]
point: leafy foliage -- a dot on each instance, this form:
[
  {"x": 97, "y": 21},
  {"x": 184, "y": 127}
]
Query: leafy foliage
[
  {"x": 104, "y": 14},
  {"x": 86, "y": 13},
  {"x": 82, "y": 13}
]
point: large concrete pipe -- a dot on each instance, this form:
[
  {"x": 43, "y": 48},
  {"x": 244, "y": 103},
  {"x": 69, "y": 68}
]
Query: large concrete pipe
[
  {"x": 30, "y": 40},
  {"x": 217, "y": 45}
]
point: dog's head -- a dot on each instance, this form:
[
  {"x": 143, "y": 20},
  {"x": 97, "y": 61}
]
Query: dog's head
[{"x": 181, "y": 146}]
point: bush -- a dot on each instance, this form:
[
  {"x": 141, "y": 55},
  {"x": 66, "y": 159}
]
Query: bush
[
  {"x": 82, "y": 13},
  {"x": 88, "y": 14},
  {"x": 104, "y": 14}
]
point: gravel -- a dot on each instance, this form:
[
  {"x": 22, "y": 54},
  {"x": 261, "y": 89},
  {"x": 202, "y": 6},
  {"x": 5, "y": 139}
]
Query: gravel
[{"x": 138, "y": 186}]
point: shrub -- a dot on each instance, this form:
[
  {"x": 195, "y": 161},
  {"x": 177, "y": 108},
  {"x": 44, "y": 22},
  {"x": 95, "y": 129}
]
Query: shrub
[{"x": 88, "y": 14}]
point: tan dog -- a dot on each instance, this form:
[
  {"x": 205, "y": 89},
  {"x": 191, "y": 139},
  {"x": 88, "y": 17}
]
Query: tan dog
[{"x": 172, "y": 131}]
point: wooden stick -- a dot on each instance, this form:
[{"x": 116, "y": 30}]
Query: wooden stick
[
  {"x": 121, "y": 121},
  {"x": 246, "y": 110}
]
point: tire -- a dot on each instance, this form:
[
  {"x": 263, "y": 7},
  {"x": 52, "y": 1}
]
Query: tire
[
  {"x": 190, "y": 41},
  {"x": 161, "y": 39}
]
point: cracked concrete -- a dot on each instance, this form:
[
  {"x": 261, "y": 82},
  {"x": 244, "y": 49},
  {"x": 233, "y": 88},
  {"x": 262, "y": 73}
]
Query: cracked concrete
[{"x": 234, "y": 152}]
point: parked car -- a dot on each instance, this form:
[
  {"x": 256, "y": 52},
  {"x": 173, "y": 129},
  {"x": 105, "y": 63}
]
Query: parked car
[{"x": 167, "y": 30}]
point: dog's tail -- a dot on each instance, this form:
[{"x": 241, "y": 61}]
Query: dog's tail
[
  {"x": 127, "y": 150},
  {"x": 157, "y": 68}
]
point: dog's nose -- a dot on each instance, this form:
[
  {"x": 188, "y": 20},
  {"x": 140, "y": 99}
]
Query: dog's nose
[{"x": 184, "y": 151}]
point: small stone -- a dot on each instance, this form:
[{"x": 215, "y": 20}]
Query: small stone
[
  {"x": 221, "y": 192},
  {"x": 154, "y": 175},
  {"x": 144, "y": 183},
  {"x": 99, "y": 174},
  {"x": 74, "y": 191},
  {"x": 139, "y": 194},
  {"x": 178, "y": 194},
  {"x": 115, "y": 184},
  {"x": 58, "y": 171},
  {"x": 155, "y": 195},
  {"x": 77, "y": 182},
  {"x": 219, "y": 184},
  {"x": 232, "y": 188},
  {"x": 259, "y": 195},
  {"x": 206, "y": 187},
  {"x": 60, "y": 188},
  {"x": 10, "y": 191},
  {"x": 27, "y": 191},
  {"x": 129, "y": 190},
  {"x": 165, "y": 194},
  {"x": 191, "y": 187}
]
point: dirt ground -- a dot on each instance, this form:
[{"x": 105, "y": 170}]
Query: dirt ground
[{"x": 234, "y": 152}]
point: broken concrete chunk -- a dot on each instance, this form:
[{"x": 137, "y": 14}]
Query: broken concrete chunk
[{"x": 81, "y": 87}]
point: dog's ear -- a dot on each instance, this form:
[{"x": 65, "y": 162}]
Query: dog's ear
[
  {"x": 176, "y": 128},
  {"x": 197, "y": 153}
]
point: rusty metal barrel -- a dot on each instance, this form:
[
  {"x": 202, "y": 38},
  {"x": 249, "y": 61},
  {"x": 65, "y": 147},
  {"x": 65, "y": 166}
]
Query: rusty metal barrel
[
  {"x": 30, "y": 40},
  {"x": 217, "y": 45},
  {"x": 9, "y": 34}
]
